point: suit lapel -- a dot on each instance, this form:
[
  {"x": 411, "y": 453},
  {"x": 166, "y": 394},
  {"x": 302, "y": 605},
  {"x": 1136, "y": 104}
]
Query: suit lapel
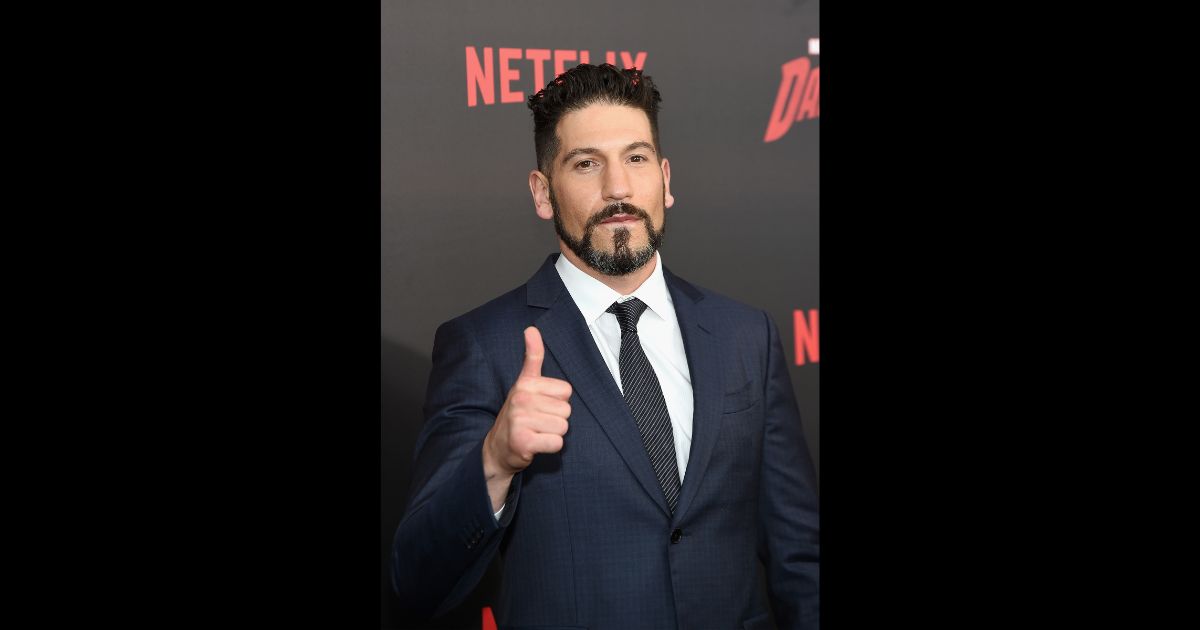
[
  {"x": 704, "y": 361},
  {"x": 566, "y": 337}
]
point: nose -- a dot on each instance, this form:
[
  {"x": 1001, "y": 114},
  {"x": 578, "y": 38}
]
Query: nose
[{"x": 616, "y": 183}]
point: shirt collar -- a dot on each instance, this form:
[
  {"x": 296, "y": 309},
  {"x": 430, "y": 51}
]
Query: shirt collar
[{"x": 594, "y": 297}]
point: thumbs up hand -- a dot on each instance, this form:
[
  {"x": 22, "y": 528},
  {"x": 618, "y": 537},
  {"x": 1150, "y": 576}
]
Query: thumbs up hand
[{"x": 533, "y": 420}]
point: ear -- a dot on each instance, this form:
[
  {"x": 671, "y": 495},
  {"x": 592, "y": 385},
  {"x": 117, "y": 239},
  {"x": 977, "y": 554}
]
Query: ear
[
  {"x": 668, "y": 200},
  {"x": 539, "y": 187}
]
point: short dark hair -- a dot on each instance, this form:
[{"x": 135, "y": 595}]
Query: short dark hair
[{"x": 586, "y": 85}]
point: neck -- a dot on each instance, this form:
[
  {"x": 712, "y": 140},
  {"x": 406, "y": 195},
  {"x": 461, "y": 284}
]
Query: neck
[{"x": 625, "y": 284}]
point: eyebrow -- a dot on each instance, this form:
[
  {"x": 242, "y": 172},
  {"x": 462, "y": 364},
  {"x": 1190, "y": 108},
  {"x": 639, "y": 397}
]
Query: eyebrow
[{"x": 640, "y": 144}]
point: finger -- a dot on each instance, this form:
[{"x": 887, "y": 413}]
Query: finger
[
  {"x": 550, "y": 405},
  {"x": 534, "y": 353},
  {"x": 552, "y": 387},
  {"x": 546, "y": 443},
  {"x": 545, "y": 423}
]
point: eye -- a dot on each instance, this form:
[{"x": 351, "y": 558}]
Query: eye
[
  {"x": 638, "y": 158},
  {"x": 585, "y": 164}
]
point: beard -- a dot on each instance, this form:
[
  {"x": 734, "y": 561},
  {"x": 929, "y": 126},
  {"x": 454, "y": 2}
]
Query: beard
[{"x": 622, "y": 260}]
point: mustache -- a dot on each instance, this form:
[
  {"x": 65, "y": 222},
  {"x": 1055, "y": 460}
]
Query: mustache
[{"x": 613, "y": 209}]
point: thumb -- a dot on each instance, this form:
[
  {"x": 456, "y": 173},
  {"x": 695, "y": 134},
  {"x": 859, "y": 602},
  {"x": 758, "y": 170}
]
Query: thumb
[{"x": 534, "y": 353}]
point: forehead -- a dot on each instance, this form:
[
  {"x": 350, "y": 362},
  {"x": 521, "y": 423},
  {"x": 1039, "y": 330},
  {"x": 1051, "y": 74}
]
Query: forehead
[{"x": 603, "y": 126}]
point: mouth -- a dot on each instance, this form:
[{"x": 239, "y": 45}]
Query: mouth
[{"x": 620, "y": 218}]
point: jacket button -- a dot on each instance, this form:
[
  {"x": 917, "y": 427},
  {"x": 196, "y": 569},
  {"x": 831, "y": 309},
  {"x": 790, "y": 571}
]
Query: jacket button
[{"x": 676, "y": 535}]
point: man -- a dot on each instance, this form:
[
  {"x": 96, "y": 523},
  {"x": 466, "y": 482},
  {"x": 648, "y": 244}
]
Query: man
[{"x": 628, "y": 442}]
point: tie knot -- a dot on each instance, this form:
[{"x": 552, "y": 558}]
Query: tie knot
[{"x": 628, "y": 313}]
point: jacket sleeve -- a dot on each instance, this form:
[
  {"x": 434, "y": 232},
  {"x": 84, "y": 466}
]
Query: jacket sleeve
[
  {"x": 449, "y": 533},
  {"x": 788, "y": 506}
]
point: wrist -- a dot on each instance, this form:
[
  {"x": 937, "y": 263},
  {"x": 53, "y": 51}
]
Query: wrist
[{"x": 493, "y": 468}]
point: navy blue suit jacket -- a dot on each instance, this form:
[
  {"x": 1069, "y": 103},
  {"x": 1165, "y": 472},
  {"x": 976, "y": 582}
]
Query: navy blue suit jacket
[{"x": 586, "y": 538}]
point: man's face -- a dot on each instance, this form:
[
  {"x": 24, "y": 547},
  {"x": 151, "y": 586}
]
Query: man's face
[{"x": 608, "y": 191}]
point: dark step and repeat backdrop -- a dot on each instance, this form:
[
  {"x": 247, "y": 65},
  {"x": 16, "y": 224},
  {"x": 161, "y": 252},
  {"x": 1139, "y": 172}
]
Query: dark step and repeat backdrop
[{"x": 740, "y": 122}]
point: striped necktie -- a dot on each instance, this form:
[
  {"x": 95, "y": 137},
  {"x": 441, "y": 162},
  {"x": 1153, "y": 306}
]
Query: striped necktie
[{"x": 645, "y": 398}]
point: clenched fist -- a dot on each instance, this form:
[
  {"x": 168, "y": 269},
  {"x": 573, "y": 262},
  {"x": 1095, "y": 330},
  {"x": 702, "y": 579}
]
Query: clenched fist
[{"x": 533, "y": 420}]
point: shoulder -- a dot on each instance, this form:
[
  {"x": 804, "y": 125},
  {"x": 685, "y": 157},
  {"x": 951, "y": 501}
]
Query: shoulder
[
  {"x": 501, "y": 312},
  {"x": 718, "y": 306},
  {"x": 495, "y": 328},
  {"x": 512, "y": 308}
]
